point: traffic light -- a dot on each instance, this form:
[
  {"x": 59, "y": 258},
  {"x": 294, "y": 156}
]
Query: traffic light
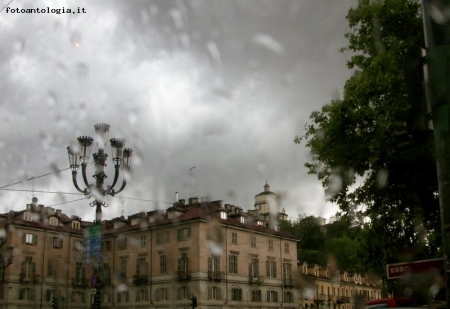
[
  {"x": 54, "y": 303},
  {"x": 193, "y": 302}
]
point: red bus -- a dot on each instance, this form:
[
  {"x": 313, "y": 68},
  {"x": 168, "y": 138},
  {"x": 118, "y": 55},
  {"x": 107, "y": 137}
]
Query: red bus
[{"x": 392, "y": 303}]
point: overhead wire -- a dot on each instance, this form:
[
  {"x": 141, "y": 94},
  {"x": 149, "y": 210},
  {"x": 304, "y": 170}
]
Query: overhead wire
[{"x": 32, "y": 178}]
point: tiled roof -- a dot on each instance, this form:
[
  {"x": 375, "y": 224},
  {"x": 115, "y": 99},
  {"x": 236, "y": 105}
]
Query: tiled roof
[{"x": 199, "y": 211}]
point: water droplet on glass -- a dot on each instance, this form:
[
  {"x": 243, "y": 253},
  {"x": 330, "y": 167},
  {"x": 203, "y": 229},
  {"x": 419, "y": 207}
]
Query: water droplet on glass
[
  {"x": 214, "y": 53},
  {"x": 75, "y": 38},
  {"x": 269, "y": 43},
  {"x": 18, "y": 45},
  {"x": 153, "y": 9},
  {"x": 132, "y": 119},
  {"x": 145, "y": 17},
  {"x": 382, "y": 178},
  {"x": 82, "y": 69},
  {"x": 122, "y": 287},
  {"x": 51, "y": 99},
  {"x": 177, "y": 18},
  {"x": 216, "y": 249}
]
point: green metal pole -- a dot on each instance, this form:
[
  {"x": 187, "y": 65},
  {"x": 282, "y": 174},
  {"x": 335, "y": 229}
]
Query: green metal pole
[{"x": 437, "y": 40}]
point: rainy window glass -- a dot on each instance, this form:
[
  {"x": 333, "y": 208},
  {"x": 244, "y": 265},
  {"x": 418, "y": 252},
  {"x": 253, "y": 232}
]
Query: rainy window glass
[{"x": 289, "y": 152}]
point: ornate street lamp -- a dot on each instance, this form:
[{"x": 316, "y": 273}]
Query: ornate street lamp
[
  {"x": 121, "y": 158},
  {"x": 80, "y": 155}
]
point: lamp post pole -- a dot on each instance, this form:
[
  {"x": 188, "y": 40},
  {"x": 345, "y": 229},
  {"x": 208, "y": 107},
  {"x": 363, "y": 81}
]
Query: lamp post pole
[
  {"x": 121, "y": 158},
  {"x": 437, "y": 41}
]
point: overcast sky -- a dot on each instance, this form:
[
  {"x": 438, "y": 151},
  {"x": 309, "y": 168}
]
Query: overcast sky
[{"x": 224, "y": 86}]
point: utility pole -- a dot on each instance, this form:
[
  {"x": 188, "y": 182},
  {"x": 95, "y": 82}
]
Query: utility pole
[{"x": 437, "y": 40}]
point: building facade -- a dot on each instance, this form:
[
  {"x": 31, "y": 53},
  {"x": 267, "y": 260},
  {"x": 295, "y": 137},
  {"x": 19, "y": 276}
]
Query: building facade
[
  {"x": 324, "y": 288},
  {"x": 223, "y": 256}
]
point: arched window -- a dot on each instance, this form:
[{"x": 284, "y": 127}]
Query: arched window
[
  {"x": 272, "y": 296},
  {"x": 183, "y": 293},
  {"x": 123, "y": 297},
  {"x": 106, "y": 297},
  {"x": 142, "y": 295},
  {"x": 50, "y": 294},
  {"x": 236, "y": 294},
  {"x": 78, "y": 297},
  {"x": 255, "y": 295},
  {"x": 214, "y": 293},
  {"x": 288, "y": 297},
  {"x": 162, "y": 294}
]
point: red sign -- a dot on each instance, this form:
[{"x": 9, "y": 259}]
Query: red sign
[{"x": 399, "y": 270}]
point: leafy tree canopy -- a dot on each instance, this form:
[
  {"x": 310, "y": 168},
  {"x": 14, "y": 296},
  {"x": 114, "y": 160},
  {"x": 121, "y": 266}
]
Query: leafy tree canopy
[{"x": 375, "y": 162}]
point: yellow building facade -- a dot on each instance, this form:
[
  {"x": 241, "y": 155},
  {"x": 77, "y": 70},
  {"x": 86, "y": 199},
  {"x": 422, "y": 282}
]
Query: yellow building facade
[{"x": 225, "y": 257}]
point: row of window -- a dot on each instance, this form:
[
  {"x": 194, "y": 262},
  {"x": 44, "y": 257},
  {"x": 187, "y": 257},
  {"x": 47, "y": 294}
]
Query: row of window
[
  {"x": 28, "y": 267},
  {"x": 337, "y": 291},
  {"x": 31, "y": 239},
  {"x": 162, "y": 294},
  {"x": 161, "y": 238}
]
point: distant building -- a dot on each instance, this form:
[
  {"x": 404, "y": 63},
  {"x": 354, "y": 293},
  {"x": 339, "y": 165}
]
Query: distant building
[{"x": 324, "y": 288}]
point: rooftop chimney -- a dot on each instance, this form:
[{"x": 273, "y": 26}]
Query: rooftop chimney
[
  {"x": 176, "y": 197},
  {"x": 193, "y": 200}
]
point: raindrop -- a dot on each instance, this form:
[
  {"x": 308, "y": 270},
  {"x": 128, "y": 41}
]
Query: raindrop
[
  {"x": 51, "y": 99},
  {"x": 75, "y": 38},
  {"x": 154, "y": 10},
  {"x": 382, "y": 178},
  {"x": 122, "y": 287},
  {"x": 137, "y": 160},
  {"x": 133, "y": 242},
  {"x": 126, "y": 175},
  {"x": 18, "y": 45},
  {"x": 334, "y": 184},
  {"x": 2, "y": 233},
  {"x": 407, "y": 291},
  {"x": 145, "y": 17},
  {"x": 132, "y": 119},
  {"x": 214, "y": 53},
  {"x": 177, "y": 18},
  {"x": 434, "y": 289},
  {"x": 82, "y": 69},
  {"x": 185, "y": 40},
  {"x": 144, "y": 225},
  {"x": 216, "y": 249},
  {"x": 269, "y": 43},
  {"x": 308, "y": 293}
]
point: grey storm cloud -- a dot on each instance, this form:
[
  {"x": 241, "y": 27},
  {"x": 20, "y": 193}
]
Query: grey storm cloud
[{"x": 220, "y": 85}]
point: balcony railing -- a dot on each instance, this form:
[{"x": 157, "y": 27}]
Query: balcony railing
[
  {"x": 106, "y": 282},
  {"x": 253, "y": 279},
  {"x": 342, "y": 299},
  {"x": 323, "y": 297},
  {"x": 140, "y": 279},
  {"x": 184, "y": 274},
  {"x": 216, "y": 275},
  {"x": 80, "y": 282},
  {"x": 288, "y": 282},
  {"x": 28, "y": 278}
]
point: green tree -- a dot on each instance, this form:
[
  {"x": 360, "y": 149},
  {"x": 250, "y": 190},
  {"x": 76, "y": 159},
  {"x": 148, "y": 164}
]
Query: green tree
[
  {"x": 311, "y": 245},
  {"x": 372, "y": 157}
]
